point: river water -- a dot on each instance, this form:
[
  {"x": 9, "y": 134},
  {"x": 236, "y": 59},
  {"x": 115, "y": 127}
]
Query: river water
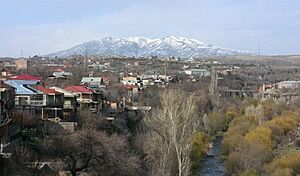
[{"x": 211, "y": 165}]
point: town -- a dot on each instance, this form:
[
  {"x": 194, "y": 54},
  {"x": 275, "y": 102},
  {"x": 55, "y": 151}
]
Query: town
[
  {"x": 42, "y": 96},
  {"x": 149, "y": 88}
]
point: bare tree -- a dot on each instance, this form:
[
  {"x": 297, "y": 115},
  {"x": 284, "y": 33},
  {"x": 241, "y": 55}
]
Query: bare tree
[
  {"x": 173, "y": 126},
  {"x": 23, "y": 161},
  {"x": 92, "y": 151}
]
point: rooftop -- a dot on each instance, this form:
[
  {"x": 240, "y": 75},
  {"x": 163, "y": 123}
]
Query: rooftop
[
  {"x": 79, "y": 89},
  {"x": 91, "y": 80},
  {"x": 44, "y": 89},
  {"x": 19, "y": 85},
  {"x": 65, "y": 92},
  {"x": 196, "y": 69},
  {"x": 27, "y": 77},
  {"x": 289, "y": 82}
]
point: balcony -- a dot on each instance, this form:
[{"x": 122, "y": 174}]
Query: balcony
[
  {"x": 85, "y": 100},
  {"x": 37, "y": 103},
  {"x": 22, "y": 103}
]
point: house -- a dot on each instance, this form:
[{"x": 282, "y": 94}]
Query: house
[
  {"x": 59, "y": 73},
  {"x": 92, "y": 82},
  {"x": 86, "y": 97},
  {"x": 5, "y": 72},
  {"x": 164, "y": 78},
  {"x": 70, "y": 104},
  {"x": 289, "y": 84},
  {"x": 58, "y": 78},
  {"x": 24, "y": 96},
  {"x": 22, "y": 64},
  {"x": 197, "y": 72},
  {"x": 27, "y": 77},
  {"x": 62, "y": 75},
  {"x": 54, "y": 102},
  {"x": 98, "y": 66},
  {"x": 7, "y": 100},
  {"x": 148, "y": 81},
  {"x": 132, "y": 80},
  {"x": 9, "y": 131}
]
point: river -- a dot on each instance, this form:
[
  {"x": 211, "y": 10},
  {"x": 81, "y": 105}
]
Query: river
[{"x": 211, "y": 165}]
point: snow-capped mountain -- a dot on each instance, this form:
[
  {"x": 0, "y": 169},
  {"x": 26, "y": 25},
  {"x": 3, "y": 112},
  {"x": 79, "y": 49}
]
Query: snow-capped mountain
[{"x": 142, "y": 47}]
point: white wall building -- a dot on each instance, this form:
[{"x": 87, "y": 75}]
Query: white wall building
[
  {"x": 289, "y": 84},
  {"x": 197, "y": 72}
]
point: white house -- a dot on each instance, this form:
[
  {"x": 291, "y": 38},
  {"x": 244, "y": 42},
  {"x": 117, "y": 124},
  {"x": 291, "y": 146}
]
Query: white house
[
  {"x": 289, "y": 84},
  {"x": 197, "y": 72}
]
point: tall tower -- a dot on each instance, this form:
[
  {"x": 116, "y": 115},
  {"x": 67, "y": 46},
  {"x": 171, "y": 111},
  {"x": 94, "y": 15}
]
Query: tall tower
[
  {"x": 85, "y": 60},
  {"x": 166, "y": 66},
  {"x": 213, "y": 89}
]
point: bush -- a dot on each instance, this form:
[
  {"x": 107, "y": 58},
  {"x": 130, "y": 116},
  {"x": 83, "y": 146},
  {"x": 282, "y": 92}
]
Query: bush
[
  {"x": 249, "y": 173},
  {"x": 200, "y": 147},
  {"x": 270, "y": 108},
  {"x": 284, "y": 123},
  {"x": 230, "y": 114},
  {"x": 288, "y": 164},
  {"x": 261, "y": 135},
  {"x": 216, "y": 122},
  {"x": 238, "y": 127},
  {"x": 248, "y": 157}
]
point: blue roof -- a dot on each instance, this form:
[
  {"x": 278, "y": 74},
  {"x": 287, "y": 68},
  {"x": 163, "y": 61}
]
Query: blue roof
[
  {"x": 23, "y": 82},
  {"x": 20, "y": 86}
]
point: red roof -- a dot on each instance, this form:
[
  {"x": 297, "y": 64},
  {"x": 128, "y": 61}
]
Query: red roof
[
  {"x": 79, "y": 89},
  {"x": 58, "y": 70},
  {"x": 130, "y": 86},
  {"x": 44, "y": 89},
  {"x": 27, "y": 77}
]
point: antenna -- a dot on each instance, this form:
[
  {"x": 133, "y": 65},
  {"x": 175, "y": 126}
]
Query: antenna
[{"x": 21, "y": 53}]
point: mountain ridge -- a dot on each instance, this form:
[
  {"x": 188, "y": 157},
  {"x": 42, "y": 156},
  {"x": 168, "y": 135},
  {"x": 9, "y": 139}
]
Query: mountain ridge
[{"x": 173, "y": 46}]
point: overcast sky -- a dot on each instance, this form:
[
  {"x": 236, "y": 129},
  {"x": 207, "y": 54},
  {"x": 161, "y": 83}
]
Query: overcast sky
[{"x": 45, "y": 26}]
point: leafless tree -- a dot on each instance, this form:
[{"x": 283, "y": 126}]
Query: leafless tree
[
  {"x": 23, "y": 161},
  {"x": 172, "y": 127},
  {"x": 92, "y": 151}
]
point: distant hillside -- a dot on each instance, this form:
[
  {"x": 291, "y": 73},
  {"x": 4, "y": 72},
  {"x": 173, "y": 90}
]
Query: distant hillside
[{"x": 142, "y": 47}]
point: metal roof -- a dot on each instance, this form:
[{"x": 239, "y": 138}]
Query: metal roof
[
  {"x": 22, "y": 82},
  {"x": 65, "y": 92},
  {"x": 91, "y": 80},
  {"x": 61, "y": 74},
  {"x": 20, "y": 88}
]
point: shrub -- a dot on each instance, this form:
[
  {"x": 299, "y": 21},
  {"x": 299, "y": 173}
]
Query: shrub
[
  {"x": 285, "y": 123},
  {"x": 249, "y": 173},
  {"x": 262, "y": 135},
  {"x": 248, "y": 157},
  {"x": 289, "y": 164},
  {"x": 199, "y": 148}
]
